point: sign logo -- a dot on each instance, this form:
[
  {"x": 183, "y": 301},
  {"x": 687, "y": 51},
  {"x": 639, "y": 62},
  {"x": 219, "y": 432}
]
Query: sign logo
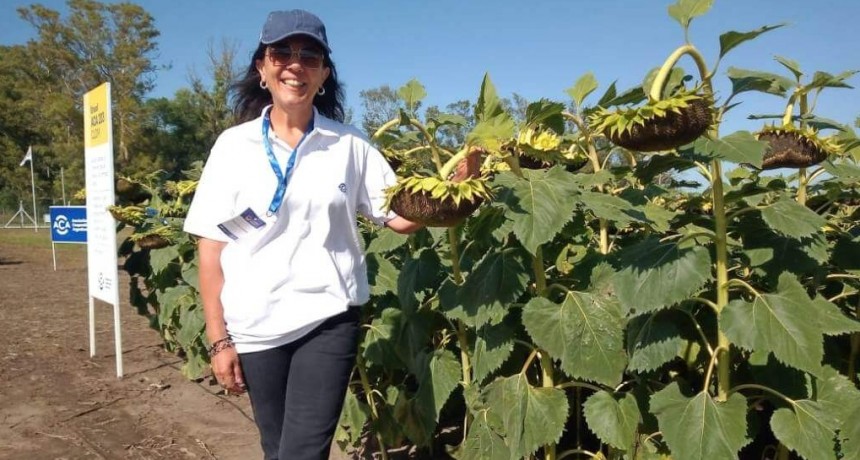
[{"x": 62, "y": 225}]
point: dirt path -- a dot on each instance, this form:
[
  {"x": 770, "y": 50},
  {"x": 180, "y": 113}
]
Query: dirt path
[{"x": 58, "y": 403}]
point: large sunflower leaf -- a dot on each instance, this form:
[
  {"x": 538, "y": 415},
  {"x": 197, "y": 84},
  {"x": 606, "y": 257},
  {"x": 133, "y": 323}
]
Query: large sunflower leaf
[
  {"x": 750, "y": 80},
  {"x": 585, "y": 333},
  {"x": 832, "y": 320},
  {"x": 539, "y": 204},
  {"x": 381, "y": 274},
  {"x": 792, "y": 219},
  {"x": 850, "y": 435},
  {"x": 611, "y": 208},
  {"x": 614, "y": 420},
  {"x": 699, "y": 427},
  {"x": 483, "y": 443},
  {"x": 652, "y": 340},
  {"x": 532, "y": 417},
  {"x": 422, "y": 271},
  {"x": 731, "y": 39},
  {"x": 496, "y": 281},
  {"x": 493, "y": 346},
  {"x": 440, "y": 376},
  {"x": 738, "y": 147},
  {"x": 655, "y": 275},
  {"x": 778, "y": 323},
  {"x": 807, "y": 428},
  {"x": 387, "y": 241}
]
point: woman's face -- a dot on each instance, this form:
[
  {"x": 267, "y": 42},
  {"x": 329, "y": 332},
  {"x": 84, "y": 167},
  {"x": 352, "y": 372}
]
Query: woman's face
[{"x": 293, "y": 70}]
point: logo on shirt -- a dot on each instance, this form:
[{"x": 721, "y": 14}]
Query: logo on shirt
[{"x": 342, "y": 187}]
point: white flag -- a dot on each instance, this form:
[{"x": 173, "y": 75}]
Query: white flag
[{"x": 27, "y": 157}]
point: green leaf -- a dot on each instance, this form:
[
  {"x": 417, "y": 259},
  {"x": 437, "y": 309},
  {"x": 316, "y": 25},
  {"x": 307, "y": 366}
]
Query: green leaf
[
  {"x": 491, "y": 132},
  {"x": 652, "y": 340},
  {"x": 582, "y": 88},
  {"x": 792, "y": 219},
  {"x": 614, "y": 420},
  {"x": 832, "y": 320},
  {"x": 540, "y": 204},
  {"x": 750, "y": 80},
  {"x": 532, "y": 417},
  {"x": 658, "y": 164},
  {"x": 699, "y": 427},
  {"x": 492, "y": 347},
  {"x": 731, "y": 39},
  {"x": 685, "y": 10},
  {"x": 483, "y": 442},
  {"x": 353, "y": 417},
  {"x": 190, "y": 275},
  {"x": 791, "y": 65},
  {"x": 440, "y": 376},
  {"x": 172, "y": 298},
  {"x": 546, "y": 113},
  {"x": 738, "y": 147},
  {"x": 378, "y": 344},
  {"x": 422, "y": 271},
  {"x": 489, "y": 105},
  {"x": 823, "y": 80},
  {"x": 382, "y": 274},
  {"x": 655, "y": 275},
  {"x": 850, "y": 435},
  {"x": 412, "y": 93},
  {"x": 191, "y": 325},
  {"x": 497, "y": 281},
  {"x": 611, "y": 208},
  {"x": 160, "y": 258},
  {"x": 585, "y": 333},
  {"x": 633, "y": 95},
  {"x": 387, "y": 241},
  {"x": 777, "y": 323},
  {"x": 808, "y": 429},
  {"x": 839, "y": 397}
]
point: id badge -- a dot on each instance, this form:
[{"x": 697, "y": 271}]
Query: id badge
[{"x": 244, "y": 228}]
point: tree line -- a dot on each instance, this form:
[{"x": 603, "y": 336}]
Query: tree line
[{"x": 42, "y": 83}]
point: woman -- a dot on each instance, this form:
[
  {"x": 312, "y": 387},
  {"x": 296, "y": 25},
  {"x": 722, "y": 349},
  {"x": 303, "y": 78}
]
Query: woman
[{"x": 281, "y": 270}]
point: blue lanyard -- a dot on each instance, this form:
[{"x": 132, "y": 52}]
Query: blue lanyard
[{"x": 283, "y": 178}]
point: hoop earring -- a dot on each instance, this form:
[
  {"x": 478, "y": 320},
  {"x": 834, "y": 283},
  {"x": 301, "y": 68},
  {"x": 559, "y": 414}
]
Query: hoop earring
[
  {"x": 321, "y": 91},
  {"x": 263, "y": 84}
]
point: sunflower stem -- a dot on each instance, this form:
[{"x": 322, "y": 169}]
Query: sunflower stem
[
  {"x": 462, "y": 338},
  {"x": 656, "y": 92},
  {"x": 368, "y": 394},
  {"x": 803, "y": 180}
]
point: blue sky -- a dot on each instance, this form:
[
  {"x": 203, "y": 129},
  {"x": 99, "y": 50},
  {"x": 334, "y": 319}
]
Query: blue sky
[{"x": 535, "y": 48}]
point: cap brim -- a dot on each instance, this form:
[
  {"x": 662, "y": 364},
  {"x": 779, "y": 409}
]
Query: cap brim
[{"x": 296, "y": 34}]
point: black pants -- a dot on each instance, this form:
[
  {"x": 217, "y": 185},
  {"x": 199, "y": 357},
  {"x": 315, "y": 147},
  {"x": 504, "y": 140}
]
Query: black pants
[{"x": 297, "y": 389}]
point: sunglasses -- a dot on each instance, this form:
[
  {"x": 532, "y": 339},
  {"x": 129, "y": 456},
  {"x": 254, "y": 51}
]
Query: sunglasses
[{"x": 310, "y": 58}]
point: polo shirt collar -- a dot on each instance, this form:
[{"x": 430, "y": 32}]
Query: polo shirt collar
[{"x": 323, "y": 125}]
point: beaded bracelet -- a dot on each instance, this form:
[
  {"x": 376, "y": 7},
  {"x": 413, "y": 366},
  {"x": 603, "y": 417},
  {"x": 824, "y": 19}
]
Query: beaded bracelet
[{"x": 220, "y": 345}]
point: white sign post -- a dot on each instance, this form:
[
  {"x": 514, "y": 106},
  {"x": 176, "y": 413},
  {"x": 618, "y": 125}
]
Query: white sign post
[{"x": 101, "y": 228}]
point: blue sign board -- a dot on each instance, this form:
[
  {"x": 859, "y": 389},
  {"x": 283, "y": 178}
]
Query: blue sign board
[{"x": 69, "y": 224}]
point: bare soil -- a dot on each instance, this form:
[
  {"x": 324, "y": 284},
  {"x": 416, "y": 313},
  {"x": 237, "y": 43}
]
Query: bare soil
[{"x": 56, "y": 402}]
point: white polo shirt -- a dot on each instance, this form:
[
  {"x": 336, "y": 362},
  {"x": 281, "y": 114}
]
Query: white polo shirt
[{"x": 310, "y": 265}]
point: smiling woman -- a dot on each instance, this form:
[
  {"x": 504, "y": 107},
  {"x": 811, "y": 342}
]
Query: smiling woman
[{"x": 282, "y": 274}]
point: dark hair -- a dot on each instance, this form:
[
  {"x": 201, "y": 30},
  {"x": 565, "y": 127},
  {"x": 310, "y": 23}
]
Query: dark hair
[{"x": 249, "y": 99}]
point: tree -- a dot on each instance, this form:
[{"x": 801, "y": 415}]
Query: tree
[
  {"x": 380, "y": 105},
  {"x": 96, "y": 43}
]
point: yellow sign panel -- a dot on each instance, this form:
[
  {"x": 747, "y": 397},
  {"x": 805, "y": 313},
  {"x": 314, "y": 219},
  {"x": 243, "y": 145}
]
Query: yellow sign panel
[{"x": 96, "y": 118}]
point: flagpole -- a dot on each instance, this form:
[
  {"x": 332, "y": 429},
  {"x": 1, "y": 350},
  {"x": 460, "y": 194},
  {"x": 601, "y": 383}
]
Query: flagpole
[{"x": 33, "y": 188}]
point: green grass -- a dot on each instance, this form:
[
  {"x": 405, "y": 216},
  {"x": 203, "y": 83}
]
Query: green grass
[{"x": 25, "y": 237}]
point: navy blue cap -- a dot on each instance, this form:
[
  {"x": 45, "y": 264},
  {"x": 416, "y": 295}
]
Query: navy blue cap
[{"x": 284, "y": 24}]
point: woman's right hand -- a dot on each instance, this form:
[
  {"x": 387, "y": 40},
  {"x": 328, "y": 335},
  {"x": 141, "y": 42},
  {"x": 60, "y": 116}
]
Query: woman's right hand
[{"x": 228, "y": 371}]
